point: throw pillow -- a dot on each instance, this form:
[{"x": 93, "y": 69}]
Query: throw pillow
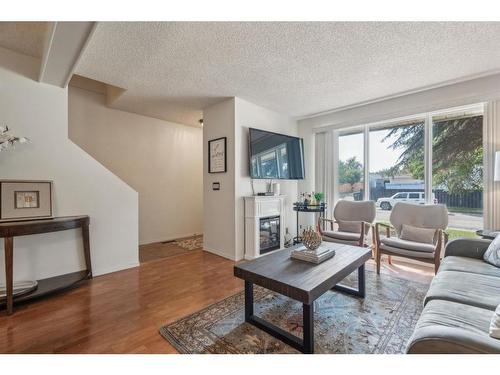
[
  {"x": 416, "y": 234},
  {"x": 492, "y": 254},
  {"x": 495, "y": 324},
  {"x": 349, "y": 226}
]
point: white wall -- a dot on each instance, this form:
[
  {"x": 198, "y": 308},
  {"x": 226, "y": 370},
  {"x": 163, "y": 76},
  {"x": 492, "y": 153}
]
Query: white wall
[
  {"x": 249, "y": 115},
  {"x": 81, "y": 185},
  {"x": 224, "y": 209},
  {"x": 162, "y": 161},
  {"x": 218, "y": 206}
]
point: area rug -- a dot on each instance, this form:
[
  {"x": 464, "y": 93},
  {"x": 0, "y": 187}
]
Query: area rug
[
  {"x": 382, "y": 322},
  {"x": 193, "y": 243}
]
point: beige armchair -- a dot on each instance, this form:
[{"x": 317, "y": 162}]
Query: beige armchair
[
  {"x": 419, "y": 233},
  {"x": 351, "y": 224}
]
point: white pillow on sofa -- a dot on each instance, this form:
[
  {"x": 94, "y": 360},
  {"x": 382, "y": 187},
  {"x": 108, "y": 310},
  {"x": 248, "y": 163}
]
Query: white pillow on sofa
[
  {"x": 495, "y": 324},
  {"x": 492, "y": 254}
]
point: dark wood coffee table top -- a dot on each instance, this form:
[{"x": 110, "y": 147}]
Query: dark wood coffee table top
[{"x": 300, "y": 280}]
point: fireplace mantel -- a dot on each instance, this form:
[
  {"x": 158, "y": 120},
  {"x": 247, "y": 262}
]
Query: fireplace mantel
[{"x": 256, "y": 208}]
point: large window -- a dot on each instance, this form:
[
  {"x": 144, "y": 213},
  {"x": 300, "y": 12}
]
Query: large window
[
  {"x": 350, "y": 170},
  {"x": 427, "y": 159},
  {"x": 457, "y": 169},
  {"x": 396, "y": 160}
]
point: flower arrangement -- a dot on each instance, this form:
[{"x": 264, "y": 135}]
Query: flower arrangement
[{"x": 8, "y": 140}]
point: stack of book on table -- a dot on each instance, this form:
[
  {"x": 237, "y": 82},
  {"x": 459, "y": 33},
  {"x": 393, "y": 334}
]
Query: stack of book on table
[{"x": 313, "y": 256}]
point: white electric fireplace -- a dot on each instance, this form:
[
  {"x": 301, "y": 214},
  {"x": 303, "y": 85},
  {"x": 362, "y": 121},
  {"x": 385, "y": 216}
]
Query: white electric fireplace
[{"x": 264, "y": 225}]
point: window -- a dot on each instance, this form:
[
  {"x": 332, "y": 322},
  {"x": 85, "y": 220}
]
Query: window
[
  {"x": 438, "y": 153},
  {"x": 350, "y": 169},
  {"x": 457, "y": 169},
  {"x": 396, "y": 161}
]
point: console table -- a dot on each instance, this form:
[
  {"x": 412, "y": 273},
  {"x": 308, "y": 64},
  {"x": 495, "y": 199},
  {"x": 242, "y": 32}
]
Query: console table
[{"x": 9, "y": 230}]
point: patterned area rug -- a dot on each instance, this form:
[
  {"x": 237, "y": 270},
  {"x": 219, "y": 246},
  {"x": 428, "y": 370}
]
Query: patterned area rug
[
  {"x": 191, "y": 243},
  {"x": 381, "y": 323}
]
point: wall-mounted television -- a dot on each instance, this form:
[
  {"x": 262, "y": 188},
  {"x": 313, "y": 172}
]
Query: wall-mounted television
[{"x": 275, "y": 156}]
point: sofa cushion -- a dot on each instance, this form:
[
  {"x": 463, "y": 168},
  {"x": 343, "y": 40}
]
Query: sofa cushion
[
  {"x": 342, "y": 235},
  {"x": 416, "y": 234},
  {"x": 449, "y": 327},
  {"x": 343, "y": 238},
  {"x": 407, "y": 253},
  {"x": 471, "y": 265},
  {"x": 492, "y": 254},
  {"x": 407, "y": 245},
  {"x": 344, "y": 242},
  {"x": 468, "y": 288}
]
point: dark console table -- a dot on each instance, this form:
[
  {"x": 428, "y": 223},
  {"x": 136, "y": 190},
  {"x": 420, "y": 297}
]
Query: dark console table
[
  {"x": 9, "y": 230},
  {"x": 301, "y": 207}
]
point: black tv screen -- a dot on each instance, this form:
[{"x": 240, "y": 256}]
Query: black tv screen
[{"x": 275, "y": 156}]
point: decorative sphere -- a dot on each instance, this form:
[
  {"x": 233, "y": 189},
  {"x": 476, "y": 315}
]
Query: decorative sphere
[{"x": 311, "y": 239}]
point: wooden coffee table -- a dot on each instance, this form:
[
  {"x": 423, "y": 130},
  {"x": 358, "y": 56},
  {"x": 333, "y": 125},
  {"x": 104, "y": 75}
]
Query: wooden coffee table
[{"x": 303, "y": 282}]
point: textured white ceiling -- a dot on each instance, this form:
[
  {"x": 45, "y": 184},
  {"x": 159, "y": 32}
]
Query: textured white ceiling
[
  {"x": 173, "y": 70},
  {"x": 24, "y": 37}
]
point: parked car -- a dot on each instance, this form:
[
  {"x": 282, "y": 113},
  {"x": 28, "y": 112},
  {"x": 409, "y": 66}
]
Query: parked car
[{"x": 408, "y": 197}]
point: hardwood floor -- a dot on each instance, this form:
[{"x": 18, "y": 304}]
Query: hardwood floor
[
  {"x": 160, "y": 250},
  {"x": 122, "y": 312}
]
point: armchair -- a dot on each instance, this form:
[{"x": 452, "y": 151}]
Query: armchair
[
  {"x": 351, "y": 224},
  {"x": 419, "y": 233}
]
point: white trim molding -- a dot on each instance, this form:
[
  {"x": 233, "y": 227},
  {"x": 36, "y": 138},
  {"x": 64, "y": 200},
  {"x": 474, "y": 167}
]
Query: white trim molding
[{"x": 491, "y": 143}]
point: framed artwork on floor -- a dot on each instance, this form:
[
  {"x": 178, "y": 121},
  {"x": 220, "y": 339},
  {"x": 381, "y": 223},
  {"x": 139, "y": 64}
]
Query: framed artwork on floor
[
  {"x": 217, "y": 157},
  {"x": 25, "y": 200}
]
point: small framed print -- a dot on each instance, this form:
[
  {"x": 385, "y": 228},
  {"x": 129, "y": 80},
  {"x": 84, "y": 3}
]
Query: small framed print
[
  {"x": 217, "y": 157},
  {"x": 25, "y": 200}
]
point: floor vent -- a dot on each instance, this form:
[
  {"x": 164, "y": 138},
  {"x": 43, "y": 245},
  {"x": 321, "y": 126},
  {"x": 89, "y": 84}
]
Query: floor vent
[{"x": 169, "y": 241}]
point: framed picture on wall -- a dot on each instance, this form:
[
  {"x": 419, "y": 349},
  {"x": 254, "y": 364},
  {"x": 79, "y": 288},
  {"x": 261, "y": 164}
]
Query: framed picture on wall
[
  {"x": 217, "y": 157},
  {"x": 25, "y": 200}
]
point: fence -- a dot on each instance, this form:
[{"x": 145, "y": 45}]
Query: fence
[{"x": 472, "y": 199}]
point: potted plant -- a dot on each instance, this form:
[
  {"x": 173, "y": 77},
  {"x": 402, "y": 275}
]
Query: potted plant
[{"x": 319, "y": 197}]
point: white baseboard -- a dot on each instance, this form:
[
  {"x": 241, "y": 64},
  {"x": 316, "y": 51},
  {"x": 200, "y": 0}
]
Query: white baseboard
[
  {"x": 103, "y": 271},
  {"x": 219, "y": 253}
]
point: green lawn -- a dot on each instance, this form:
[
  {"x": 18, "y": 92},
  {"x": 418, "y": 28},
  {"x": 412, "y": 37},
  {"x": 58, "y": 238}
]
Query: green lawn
[
  {"x": 458, "y": 233},
  {"x": 453, "y": 233},
  {"x": 466, "y": 210}
]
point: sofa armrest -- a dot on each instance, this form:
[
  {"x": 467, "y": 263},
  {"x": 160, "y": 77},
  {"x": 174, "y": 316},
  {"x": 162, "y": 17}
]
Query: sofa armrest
[
  {"x": 450, "y": 340},
  {"x": 467, "y": 247}
]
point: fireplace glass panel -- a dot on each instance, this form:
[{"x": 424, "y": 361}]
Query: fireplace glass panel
[{"x": 269, "y": 234}]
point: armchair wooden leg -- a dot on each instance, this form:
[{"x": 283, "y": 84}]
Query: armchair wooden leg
[
  {"x": 374, "y": 244},
  {"x": 437, "y": 251},
  {"x": 378, "y": 260},
  {"x": 437, "y": 263},
  {"x": 389, "y": 259}
]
